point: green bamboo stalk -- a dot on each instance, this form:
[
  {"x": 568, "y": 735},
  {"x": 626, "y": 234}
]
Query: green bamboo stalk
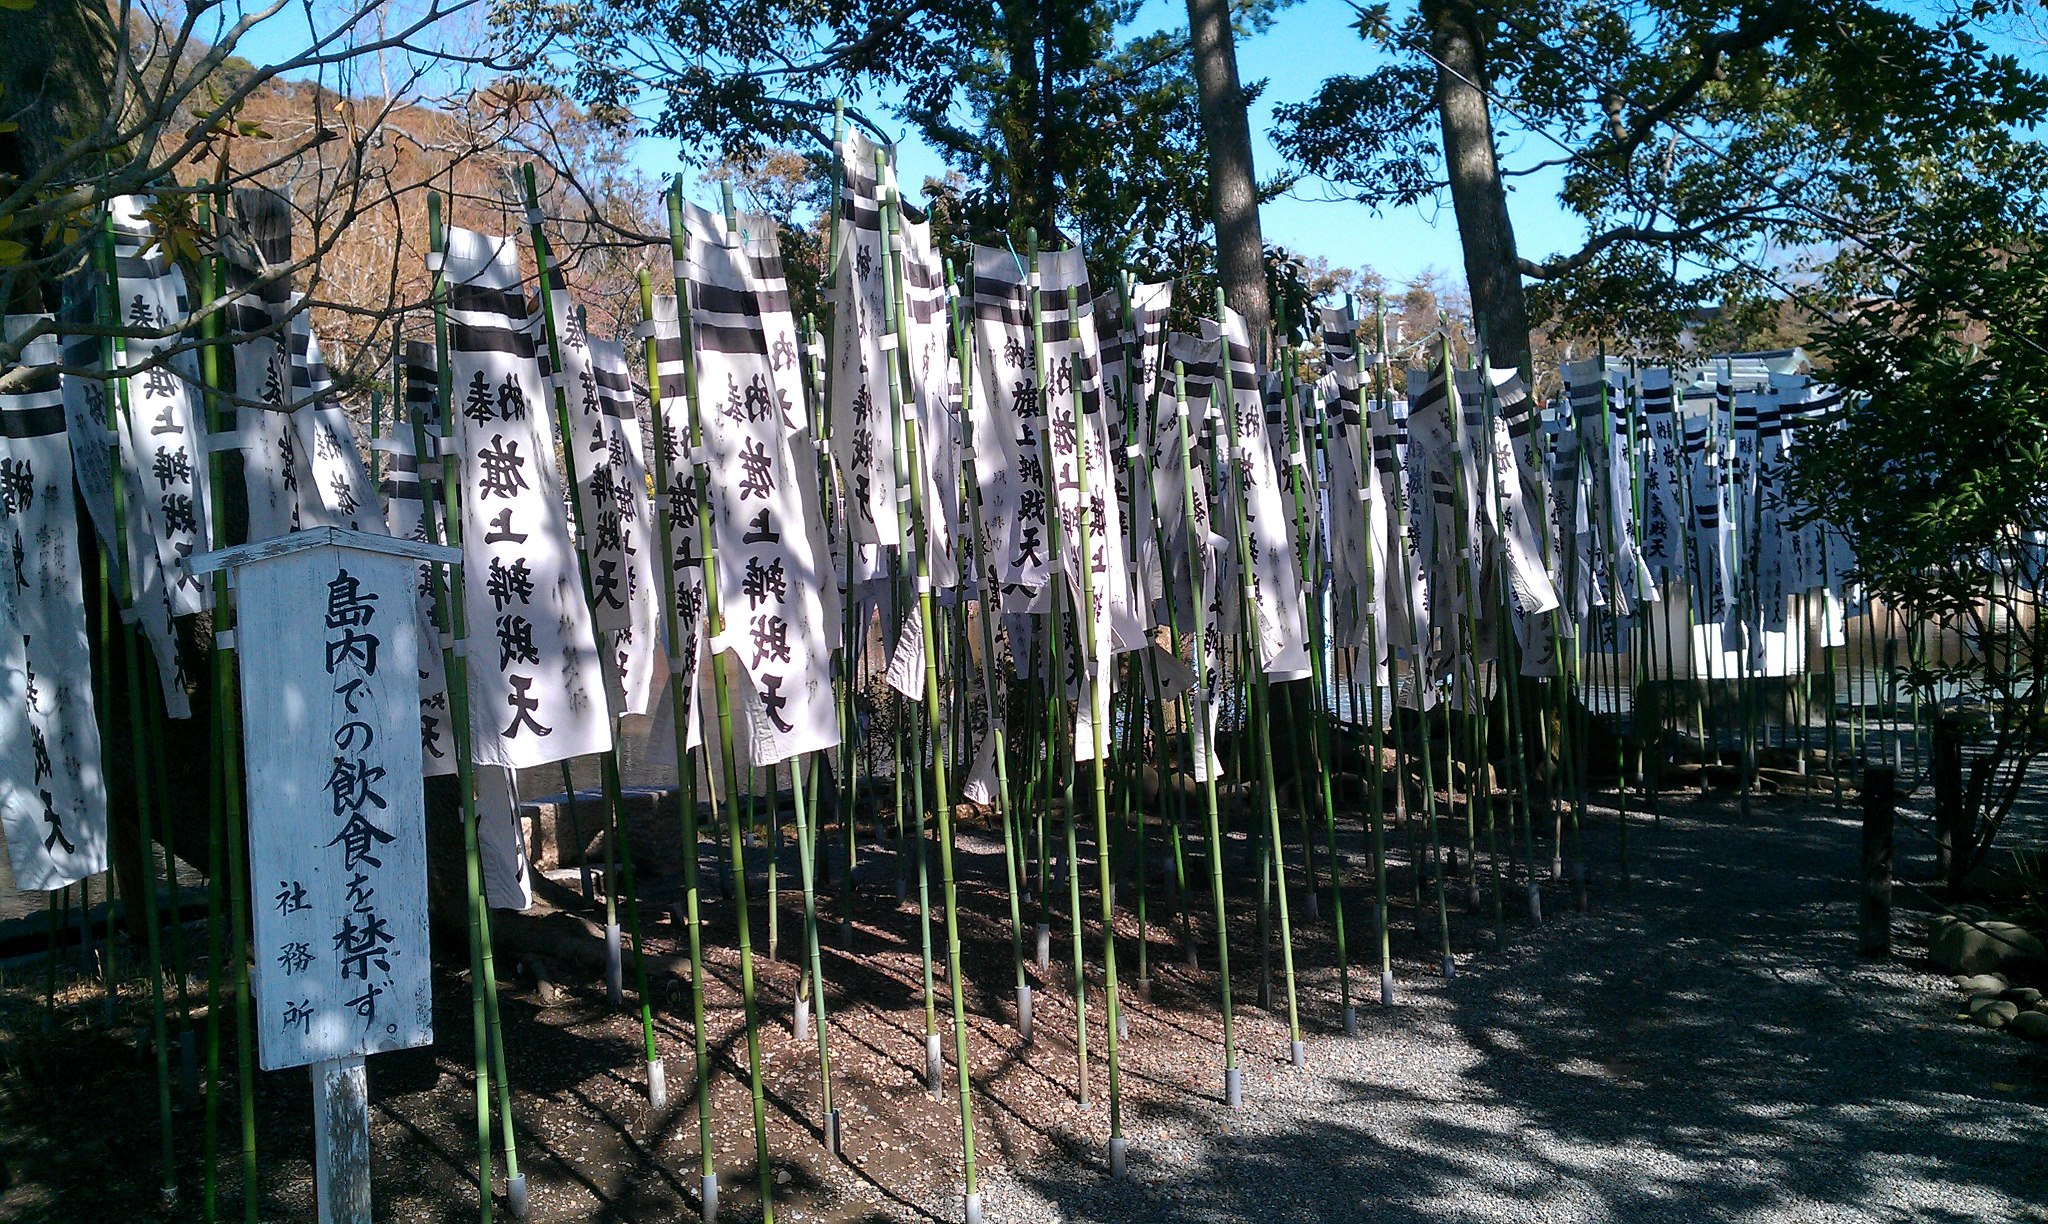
[
  {"x": 1099, "y": 715},
  {"x": 216, "y": 898},
  {"x": 720, "y": 794},
  {"x": 907, "y": 467},
  {"x": 1302, "y": 497},
  {"x": 1260, "y": 696},
  {"x": 963, "y": 345},
  {"x": 828, "y": 1115},
  {"x": 1405, "y": 575},
  {"x": 1203, "y": 750},
  {"x": 138, "y": 733},
  {"x": 803, "y": 793},
  {"x": 679, "y": 709},
  {"x": 1511, "y": 697},
  {"x": 1482, "y": 769},
  {"x": 569, "y": 808},
  {"x": 1562, "y": 685},
  {"x": 1376, "y": 768},
  {"x": 1467, "y": 581},
  {"x": 1056, "y": 720},
  {"x": 143, "y": 803},
  {"x": 914, "y": 739},
  {"x": 614, "y": 805},
  {"x": 52, "y": 922},
  {"x": 901, "y": 435},
  {"x": 1615, "y": 526},
  {"x": 846, "y": 664},
  {"x": 448, "y": 602},
  {"x": 843, "y": 664}
]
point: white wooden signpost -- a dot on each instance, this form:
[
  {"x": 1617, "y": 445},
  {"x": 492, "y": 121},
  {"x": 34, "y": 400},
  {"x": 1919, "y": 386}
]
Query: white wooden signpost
[{"x": 337, "y": 824}]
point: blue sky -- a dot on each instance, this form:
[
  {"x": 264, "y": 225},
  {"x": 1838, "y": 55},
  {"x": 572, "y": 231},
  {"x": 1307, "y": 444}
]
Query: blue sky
[{"x": 1308, "y": 42}]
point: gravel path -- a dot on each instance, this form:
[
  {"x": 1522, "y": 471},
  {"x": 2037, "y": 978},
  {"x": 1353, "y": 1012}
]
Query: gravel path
[{"x": 1704, "y": 1047}]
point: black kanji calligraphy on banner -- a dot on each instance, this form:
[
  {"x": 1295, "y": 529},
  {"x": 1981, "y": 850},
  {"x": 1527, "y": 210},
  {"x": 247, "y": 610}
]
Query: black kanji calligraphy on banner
[
  {"x": 860, "y": 373},
  {"x": 932, "y": 398},
  {"x": 613, "y": 464},
  {"x": 1515, "y": 517},
  {"x": 89, "y": 415},
  {"x": 53, "y": 800},
  {"x": 275, "y": 475},
  {"x": 1356, "y": 508},
  {"x": 332, "y": 482},
  {"x": 405, "y": 496},
  {"x": 602, "y": 445},
  {"x": 163, "y": 404},
  {"x": 514, "y": 514},
  {"x": 679, "y": 500},
  {"x": 1255, "y": 500},
  {"x": 783, "y": 698}
]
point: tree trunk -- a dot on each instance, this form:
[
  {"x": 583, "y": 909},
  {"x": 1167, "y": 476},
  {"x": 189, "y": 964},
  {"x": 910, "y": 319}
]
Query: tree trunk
[
  {"x": 1487, "y": 233},
  {"x": 1240, "y": 251},
  {"x": 1045, "y": 189},
  {"x": 1018, "y": 119},
  {"x": 69, "y": 80}
]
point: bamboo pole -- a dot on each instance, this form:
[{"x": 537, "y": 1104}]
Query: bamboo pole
[
  {"x": 1420, "y": 647},
  {"x": 1203, "y": 750},
  {"x": 1375, "y": 774},
  {"x": 1511, "y": 696},
  {"x": 1615, "y": 525},
  {"x": 679, "y": 709},
  {"x": 1092, "y": 682},
  {"x": 1304, "y": 497},
  {"x": 963, "y": 346},
  {"x": 1053, "y": 678},
  {"x": 1260, "y": 692},
  {"x": 908, "y": 466},
  {"x": 138, "y": 735},
  {"x": 656, "y": 1078},
  {"x": 720, "y": 794},
  {"x": 53, "y": 924},
  {"x": 1478, "y": 702},
  {"x": 905, "y": 469},
  {"x": 449, "y": 600},
  {"x": 828, "y": 1115}
]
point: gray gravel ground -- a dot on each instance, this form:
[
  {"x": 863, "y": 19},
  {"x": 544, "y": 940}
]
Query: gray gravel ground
[{"x": 1705, "y": 1046}]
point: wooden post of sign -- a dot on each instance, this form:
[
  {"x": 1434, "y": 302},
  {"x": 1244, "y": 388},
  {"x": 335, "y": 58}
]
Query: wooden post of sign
[
  {"x": 341, "y": 1140},
  {"x": 330, "y": 694}
]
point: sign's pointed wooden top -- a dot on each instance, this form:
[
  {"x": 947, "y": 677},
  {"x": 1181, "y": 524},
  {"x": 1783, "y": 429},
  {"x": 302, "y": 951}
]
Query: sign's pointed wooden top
[{"x": 319, "y": 537}]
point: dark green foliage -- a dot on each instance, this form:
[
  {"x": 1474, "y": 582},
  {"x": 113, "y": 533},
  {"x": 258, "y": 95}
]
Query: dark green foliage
[
  {"x": 1939, "y": 466},
  {"x": 1707, "y": 146},
  {"x": 1050, "y": 115}
]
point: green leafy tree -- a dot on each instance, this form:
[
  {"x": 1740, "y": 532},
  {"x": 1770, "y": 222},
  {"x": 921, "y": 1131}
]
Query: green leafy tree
[
  {"x": 1699, "y": 142},
  {"x": 1052, "y": 116},
  {"x": 1938, "y": 468}
]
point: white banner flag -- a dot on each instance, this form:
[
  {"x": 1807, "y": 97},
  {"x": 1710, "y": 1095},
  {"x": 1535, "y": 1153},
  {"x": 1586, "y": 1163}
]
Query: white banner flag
[
  {"x": 53, "y": 798},
  {"x": 87, "y": 402},
  {"x": 165, "y": 430},
  {"x": 406, "y": 500},
  {"x": 861, "y": 428},
  {"x": 340, "y": 494},
  {"x": 1273, "y": 584},
  {"x": 535, "y": 678},
  {"x": 274, "y": 470},
  {"x": 770, "y": 568}
]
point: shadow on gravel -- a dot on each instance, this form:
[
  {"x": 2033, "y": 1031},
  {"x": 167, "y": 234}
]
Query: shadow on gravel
[{"x": 1705, "y": 1046}]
